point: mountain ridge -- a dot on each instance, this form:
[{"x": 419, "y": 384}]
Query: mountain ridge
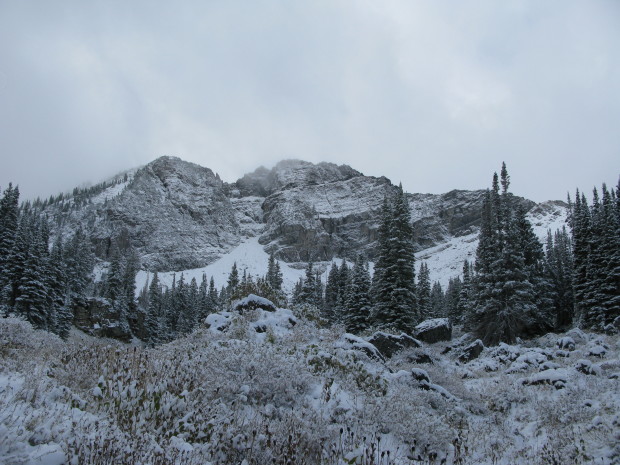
[{"x": 179, "y": 215}]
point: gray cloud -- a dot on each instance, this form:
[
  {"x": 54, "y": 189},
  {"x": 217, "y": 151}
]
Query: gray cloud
[{"x": 433, "y": 94}]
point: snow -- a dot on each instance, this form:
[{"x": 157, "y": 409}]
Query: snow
[
  {"x": 61, "y": 401},
  {"x": 249, "y": 256},
  {"x": 110, "y": 192},
  {"x": 432, "y": 324}
]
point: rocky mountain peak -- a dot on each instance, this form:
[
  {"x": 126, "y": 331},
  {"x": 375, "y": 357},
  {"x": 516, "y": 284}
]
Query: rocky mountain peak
[{"x": 292, "y": 173}]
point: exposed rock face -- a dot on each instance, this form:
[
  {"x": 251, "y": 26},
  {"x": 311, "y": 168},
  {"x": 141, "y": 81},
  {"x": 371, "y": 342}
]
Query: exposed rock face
[
  {"x": 319, "y": 221},
  {"x": 292, "y": 173},
  {"x": 389, "y": 344},
  {"x": 435, "y": 330},
  {"x": 97, "y": 317}
]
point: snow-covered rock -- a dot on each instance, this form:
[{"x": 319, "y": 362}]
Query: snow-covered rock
[
  {"x": 435, "y": 330},
  {"x": 566, "y": 343},
  {"x": 253, "y": 302},
  {"x": 389, "y": 344},
  {"x": 557, "y": 377},
  {"x": 472, "y": 351},
  {"x": 351, "y": 342},
  {"x": 587, "y": 367}
]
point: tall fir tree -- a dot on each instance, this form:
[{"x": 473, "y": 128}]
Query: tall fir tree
[
  {"x": 506, "y": 300},
  {"x": 394, "y": 284},
  {"x": 559, "y": 272},
  {"x": 358, "y": 305},
  {"x": 437, "y": 301},
  {"x": 423, "y": 291}
]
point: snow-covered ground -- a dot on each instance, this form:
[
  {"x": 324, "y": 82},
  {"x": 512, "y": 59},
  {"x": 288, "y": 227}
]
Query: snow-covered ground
[
  {"x": 263, "y": 386},
  {"x": 249, "y": 256}
]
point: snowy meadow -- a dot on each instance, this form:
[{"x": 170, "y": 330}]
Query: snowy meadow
[{"x": 273, "y": 387}]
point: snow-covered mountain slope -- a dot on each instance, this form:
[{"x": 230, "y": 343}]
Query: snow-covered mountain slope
[
  {"x": 249, "y": 256},
  {"x": 181, "y": 216}
]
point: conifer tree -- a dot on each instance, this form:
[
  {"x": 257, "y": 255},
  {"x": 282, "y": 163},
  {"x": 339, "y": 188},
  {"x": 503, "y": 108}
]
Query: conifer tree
[
  {"x": 423, "y": 291},
  {"x": 331, "y": 293},
  {"x": 437, "y": 301},
  {"x": 559, "y": 272},
  {"x": 57, "y": 287},
  {"x": 33, "y": 298},
  {"x": 508, "y": 259},
  {"x": 394, "y": 285},
  {"x": 308, "y": 293},
  {"x": 154, "y": 324},
  {"x": 358, "y": 305},
  {"x": 9, "y": 221},
  {"x": 213, "y": 296}
]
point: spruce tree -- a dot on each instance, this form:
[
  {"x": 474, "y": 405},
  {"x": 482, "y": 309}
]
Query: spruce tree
[
  {"x": 358, "y": 305},
  {"x": 423, "y": 291},
  {"x": 154, "y": 324},
  {"x": 559, "y": 272},
  {"x": 437, "y": 301},
  {"x": 508, "y": 264},
  {"x": 394, "y": 286},
  {"x": 331, "y": 293},
  {"x": 32, "y": 301}
]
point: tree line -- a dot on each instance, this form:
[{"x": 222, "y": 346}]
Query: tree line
[{"x": 515, "y": 287}]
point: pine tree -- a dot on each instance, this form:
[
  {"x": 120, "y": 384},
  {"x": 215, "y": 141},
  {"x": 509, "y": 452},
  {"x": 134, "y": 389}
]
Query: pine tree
[
  {"x": 308, "y": 294},
  {"x": 394, "y": 286},
  {"x": 508, "y": 265},
  {"x": 452, "y": 298},
  {"x": 233, "y": 278},
  {"x": 423, "y": 291},
  {"x": 358, "y": 305},
  {"x": 437, "y": 301},
  {"x": 465, "y": 298},
  {"x": 9, "y": 221},
  {"x": 559, "y": 272},
  {"x": 154, "y": 323},
  {"x": 203, "y": 307},
  {"x": 331, "y": 293},
  {"x": 33, "y": 297},
  {"x": 57, "y": 291},
  {"x": 213, "y": 297}
]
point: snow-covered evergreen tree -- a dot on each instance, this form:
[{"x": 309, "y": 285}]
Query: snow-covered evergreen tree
[
  {"x": 394, "y": 280},
  {"x": 423, "y": 291},
  {"x": 358, "y": 305}
]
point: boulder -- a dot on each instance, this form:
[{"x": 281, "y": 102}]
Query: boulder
[
  {"x": 435, "y": 330},
  {"x": 419, "y": 357},
  {"x": 587, "y": 368},
  {"x": 351, "y": 342},
  {"x": 389, "y": 344},
  {"x": 98, "y": 317},
  {"x": 566, "y": 343},
  {"x": 472, "y": 351},
  {"x": 253, "y": 302},
  {"x": 556, "y": 377}
]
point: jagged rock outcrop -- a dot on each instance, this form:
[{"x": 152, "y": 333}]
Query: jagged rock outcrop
[
  {"x": 177, "y": 215},
  {"x": 320, "y": 221}
]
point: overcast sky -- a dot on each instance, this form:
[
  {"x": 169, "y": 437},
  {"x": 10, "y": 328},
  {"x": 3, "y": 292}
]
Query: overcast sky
[{"x": 434, "y": 94}]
